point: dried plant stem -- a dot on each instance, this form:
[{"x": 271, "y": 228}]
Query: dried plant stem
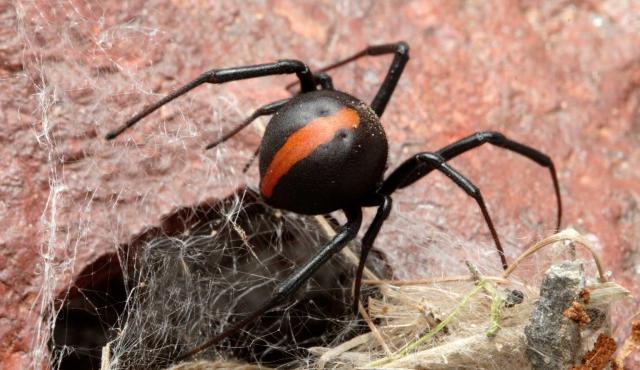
[
  {"x": 105, "y": 361},
  {"x": 567, "y": 234},
  {"x": 344, "y": 347},
  {"x": 631, "y": 344},
  {"x": 427, "y": 337},
  {"x": 374, "y": 330},
  {"x": 447, "y": 279},
  {"x": 497, "y": 302}
]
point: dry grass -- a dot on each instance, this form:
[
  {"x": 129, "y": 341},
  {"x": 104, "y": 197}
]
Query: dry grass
[{"x": 459, "y": 321}]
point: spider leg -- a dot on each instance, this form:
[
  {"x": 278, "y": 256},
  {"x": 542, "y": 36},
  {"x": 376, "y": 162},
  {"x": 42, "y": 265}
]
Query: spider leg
[
  {"x": 266, "y": 110},
  {"x": 250, "y": 161},
  {"x": 263, "y": 111},
  {"x": 292, "y": 283},
  {"x": 218, "y": 76},
  {"x": 473, "y": 141},
  {"x": 367, "y": 243},
  {"x": 324, "y": 80},
  {"x": 431, "y": 161},
  {"x": 401, "y": 51}
]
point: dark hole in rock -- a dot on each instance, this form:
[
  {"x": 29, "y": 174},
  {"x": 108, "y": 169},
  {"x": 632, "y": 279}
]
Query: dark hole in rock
[
  {"x": 88, "y": 315},
  {"x": 202, "y": 268}
]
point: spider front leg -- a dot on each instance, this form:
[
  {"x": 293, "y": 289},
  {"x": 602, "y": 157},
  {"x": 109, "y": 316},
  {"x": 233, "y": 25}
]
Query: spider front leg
[
  {"x": 473, "y": 141},
  {"x": 247, "y": 165},
  {"x": 218, "y": 76},
  {"x": 291, "y": 284},
  {"x": 324, "y": 80},
  {"x": 401, "y": 51},
  {"x": 266, "y": 110},
  {"x": 400, "y": 59},
  {"x": 433, "y": 161}
]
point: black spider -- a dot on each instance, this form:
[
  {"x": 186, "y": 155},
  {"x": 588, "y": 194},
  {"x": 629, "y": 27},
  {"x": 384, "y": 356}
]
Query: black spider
[{"x": 325, "y": 150}]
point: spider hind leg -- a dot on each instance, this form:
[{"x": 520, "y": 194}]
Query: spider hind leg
[
  {"x": 427, "y": 162},
  {"x": 495, "y": 138},
  {"x": 293, "y": 282}
]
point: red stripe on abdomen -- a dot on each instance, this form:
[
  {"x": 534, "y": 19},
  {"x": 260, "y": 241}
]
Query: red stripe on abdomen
[{"x": 303, "y": 142}]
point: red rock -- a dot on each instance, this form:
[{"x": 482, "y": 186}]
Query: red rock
[{"x": 561, "y": 76}]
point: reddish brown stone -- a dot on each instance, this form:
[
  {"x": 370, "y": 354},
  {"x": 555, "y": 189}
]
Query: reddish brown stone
[
  {"x": 561, "y": 76},
  {"x": 600, "y": 356},
  {"x": 577, "y": 313}
]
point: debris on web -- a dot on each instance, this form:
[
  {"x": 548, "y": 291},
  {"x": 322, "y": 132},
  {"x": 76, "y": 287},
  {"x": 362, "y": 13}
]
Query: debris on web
[
  {"x": 206, "y": 266},
  {"x": 467, "y": 322},
  {"x": 483, "y": 322}
]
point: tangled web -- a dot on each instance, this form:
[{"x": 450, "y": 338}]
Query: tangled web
[{"x": 206, "y": 267}]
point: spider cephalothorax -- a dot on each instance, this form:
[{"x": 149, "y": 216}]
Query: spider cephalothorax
[{"x": 325, "y": 150}]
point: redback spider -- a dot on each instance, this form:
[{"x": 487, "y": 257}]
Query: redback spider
[{"x": 324, "y": 150}]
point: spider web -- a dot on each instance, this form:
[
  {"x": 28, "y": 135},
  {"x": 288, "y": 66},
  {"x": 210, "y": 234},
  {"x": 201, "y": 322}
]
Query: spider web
[
  {"x": 118, "y": 295},
  {"x": 219, "y": 264}
]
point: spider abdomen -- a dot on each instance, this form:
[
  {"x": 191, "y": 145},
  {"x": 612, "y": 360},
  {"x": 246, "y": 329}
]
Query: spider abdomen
[{"x": 323, "y": 151}]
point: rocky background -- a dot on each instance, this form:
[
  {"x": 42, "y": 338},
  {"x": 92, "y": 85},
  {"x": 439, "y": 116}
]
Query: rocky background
[{"x": 562, "y": 76}]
